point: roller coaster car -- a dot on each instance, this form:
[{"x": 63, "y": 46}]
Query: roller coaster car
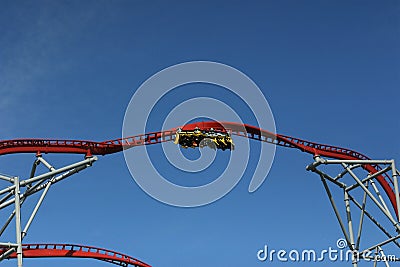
[{"x": 201, "y": 138}]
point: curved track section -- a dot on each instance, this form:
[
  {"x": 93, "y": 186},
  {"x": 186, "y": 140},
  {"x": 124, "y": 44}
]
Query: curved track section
[
  {"x": 75, "y": 251},
  {"x": 112, "y": 146}
]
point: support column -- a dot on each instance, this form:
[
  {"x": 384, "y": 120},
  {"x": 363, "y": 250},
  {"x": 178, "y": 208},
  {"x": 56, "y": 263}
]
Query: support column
[{"x": 18, "y": 221}]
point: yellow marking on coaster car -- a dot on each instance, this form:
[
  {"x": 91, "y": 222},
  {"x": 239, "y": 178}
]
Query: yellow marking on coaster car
[{"x": 197, "y": 138}]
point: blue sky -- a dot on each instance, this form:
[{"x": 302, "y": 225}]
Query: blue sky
[{"x": 330, "y": 71}]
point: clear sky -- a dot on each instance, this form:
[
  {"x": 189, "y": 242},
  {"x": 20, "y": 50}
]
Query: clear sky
[{"x": 330, "y": 71}]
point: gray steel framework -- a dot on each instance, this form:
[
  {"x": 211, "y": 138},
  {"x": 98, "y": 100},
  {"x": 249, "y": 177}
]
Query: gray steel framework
[
  {"x": 20, "y": 189},
  {"x": 357, "y": 192}
]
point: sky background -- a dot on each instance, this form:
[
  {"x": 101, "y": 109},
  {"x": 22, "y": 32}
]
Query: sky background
[{"x": 330, "y": 71}]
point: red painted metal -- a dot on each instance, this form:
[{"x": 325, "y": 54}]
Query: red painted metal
[
  {"x": 75, "y": 251},
  {"x": 256, "y": 133},
  {"x": 81, "y": 146},
  {"x": 248, "y": 131}
]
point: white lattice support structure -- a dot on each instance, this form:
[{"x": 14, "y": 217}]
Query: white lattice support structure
[
  {"x": 363, "y": 200},
  {"x": 18, "y": 190}
]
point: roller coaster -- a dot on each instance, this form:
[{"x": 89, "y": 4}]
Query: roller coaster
[{"x": 216, "y": 135}]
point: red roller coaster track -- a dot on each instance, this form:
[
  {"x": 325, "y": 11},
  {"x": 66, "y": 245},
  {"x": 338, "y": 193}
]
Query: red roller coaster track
[
  {"x": 76, "y": 251},
  {"x": 112, "y": 146}
]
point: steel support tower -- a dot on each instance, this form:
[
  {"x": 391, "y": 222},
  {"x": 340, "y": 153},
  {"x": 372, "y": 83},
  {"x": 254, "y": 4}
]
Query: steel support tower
[
  {"x": 20, "y": 189},
  {"x": 355, "y": 190}
]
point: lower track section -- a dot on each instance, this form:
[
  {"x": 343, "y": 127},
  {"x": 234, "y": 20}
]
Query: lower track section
[{"x": 75, "y": 251}]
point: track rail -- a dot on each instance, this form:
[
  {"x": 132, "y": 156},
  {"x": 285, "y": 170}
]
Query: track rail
[
  {"x": 113, "y": 146},
  {"x": 75, "y": 251}
]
